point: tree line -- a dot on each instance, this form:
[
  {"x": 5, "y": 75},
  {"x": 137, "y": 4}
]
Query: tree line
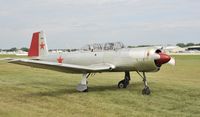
[
  {"x": 14, "y": 49},
  {"x": 187, "y": 44},
  {"x": 178, "y": 44},
  {"x": 26, "y": 49}
]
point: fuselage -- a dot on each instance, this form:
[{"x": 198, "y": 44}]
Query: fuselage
[{"x": 124, "y": 59}]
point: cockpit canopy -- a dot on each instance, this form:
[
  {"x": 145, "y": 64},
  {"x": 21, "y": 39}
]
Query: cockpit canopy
[{"x": 103, "y": 46}]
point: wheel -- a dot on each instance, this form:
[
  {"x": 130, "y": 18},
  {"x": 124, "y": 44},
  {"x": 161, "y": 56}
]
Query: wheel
[
  {"x": 82, "y": 88},
  {"x": 146, "y": 91},
  {"x": 122, "y": 84},
  {"x": 86, "y": 90}
]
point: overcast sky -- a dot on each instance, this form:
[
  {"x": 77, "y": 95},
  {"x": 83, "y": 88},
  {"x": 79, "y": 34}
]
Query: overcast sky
[{"x": 73, "y": 23}]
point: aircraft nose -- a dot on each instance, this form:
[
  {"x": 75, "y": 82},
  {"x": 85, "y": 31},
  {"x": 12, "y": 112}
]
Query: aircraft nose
[{"x": 164, "y": 58}]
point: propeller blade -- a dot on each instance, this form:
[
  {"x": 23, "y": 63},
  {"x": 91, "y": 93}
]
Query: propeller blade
[{"x": 172, "y": 61}]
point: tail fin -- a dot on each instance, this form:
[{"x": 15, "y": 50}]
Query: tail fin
[{"x": 38, "y": 45}]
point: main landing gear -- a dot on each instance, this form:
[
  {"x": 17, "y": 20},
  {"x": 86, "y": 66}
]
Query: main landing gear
[
  {"x": 146, "y": 90},
  {"x": 82, "y": 87},
  {"x": 125, "y": 82}
]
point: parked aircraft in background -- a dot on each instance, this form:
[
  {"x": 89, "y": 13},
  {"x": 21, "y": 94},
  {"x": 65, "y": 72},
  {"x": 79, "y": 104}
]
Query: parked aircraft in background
[{"x": 97, "y": 58}]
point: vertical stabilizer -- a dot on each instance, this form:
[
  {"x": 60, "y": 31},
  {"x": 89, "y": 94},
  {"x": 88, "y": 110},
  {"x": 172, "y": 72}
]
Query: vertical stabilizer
[{"x": 38, "y": 45}]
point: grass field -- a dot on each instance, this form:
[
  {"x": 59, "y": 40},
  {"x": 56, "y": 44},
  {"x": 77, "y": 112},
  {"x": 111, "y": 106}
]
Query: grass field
[{"x": 31, "y": 92}]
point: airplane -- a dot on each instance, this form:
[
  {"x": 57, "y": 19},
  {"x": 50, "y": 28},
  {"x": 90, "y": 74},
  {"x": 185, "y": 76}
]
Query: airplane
[{"x": 96, "y": 58}]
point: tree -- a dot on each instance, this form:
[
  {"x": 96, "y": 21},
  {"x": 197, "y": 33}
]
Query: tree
[
  {"x": 190, "y": 44},
  {"x": 13, "y": 49},
  {"x": 180, "y": 45},
  {"x": 131, "y": 46},
  {"x": 24, "y": 49}
]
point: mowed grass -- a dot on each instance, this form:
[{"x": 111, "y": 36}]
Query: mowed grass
[{"x": 32, "y": 92}]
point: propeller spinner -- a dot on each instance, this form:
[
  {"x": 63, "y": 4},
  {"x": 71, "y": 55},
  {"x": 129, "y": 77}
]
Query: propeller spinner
[{"x": 164, "y": 58}]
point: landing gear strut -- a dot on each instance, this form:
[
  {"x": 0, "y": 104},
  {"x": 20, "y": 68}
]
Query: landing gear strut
[
  {"x": 146, "y": 90},
  {"x": 82, "y": 87},
  {"x": 125, "y": 82}
]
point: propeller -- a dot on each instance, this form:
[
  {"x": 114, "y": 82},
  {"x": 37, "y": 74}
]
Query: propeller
[
  {"x": 172, "y": 61},
  {"x": 161, "y": 58}
]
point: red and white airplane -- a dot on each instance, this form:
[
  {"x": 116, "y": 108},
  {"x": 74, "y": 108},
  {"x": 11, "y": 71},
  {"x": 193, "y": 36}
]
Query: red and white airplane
[{"x": 97, "y": 58}]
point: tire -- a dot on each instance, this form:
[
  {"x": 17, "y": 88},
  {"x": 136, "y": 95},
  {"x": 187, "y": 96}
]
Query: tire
[
  {"x": 146, "y": 91},
  {"x": 86, "y": 90},
  {"x": 122, "y": 84}
]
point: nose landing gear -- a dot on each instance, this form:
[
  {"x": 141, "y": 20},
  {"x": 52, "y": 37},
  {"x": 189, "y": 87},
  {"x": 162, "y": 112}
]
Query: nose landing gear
[
  {"x": 146, "y": 90},
  {"x": 125, "y": 82}
]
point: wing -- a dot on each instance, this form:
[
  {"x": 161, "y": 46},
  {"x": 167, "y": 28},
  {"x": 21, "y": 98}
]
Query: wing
[{"x": 68, "y": 68}]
